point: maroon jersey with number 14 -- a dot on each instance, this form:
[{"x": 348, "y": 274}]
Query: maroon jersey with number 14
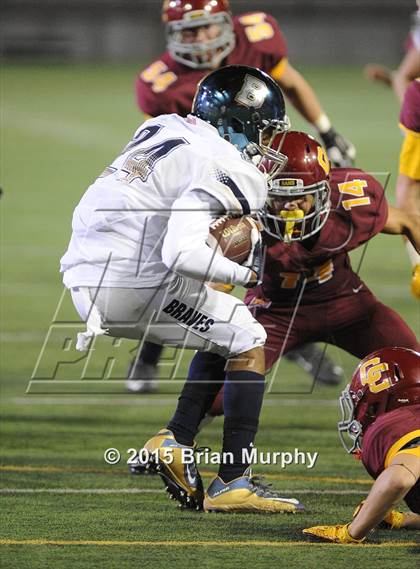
[
  {"x": 359, "y": 211},
  {"x": 310, "y": 292},
  {"x": 167, "y": 86}
]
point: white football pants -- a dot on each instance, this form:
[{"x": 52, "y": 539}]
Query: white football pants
[{"x": 186, "y": 313}]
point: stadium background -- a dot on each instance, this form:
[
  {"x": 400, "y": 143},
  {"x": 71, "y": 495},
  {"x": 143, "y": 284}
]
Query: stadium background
[{"x": 67, "y": 108}]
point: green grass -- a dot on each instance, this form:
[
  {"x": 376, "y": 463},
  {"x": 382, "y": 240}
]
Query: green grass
[{"x": 61, "y": 126}]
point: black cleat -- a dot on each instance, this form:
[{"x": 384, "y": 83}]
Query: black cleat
[
  {"x": 141, "y": 378},
  {"x": 315, "y": 362}
]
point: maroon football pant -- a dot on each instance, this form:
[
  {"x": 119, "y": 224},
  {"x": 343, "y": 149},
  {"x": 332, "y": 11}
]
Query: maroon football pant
[{"x": 357, "y": 323}]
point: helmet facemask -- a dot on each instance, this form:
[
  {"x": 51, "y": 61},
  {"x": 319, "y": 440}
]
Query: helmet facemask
[
  {"x": 297, "y": 171},
  {"x": 201, "y": 55},
  {"x": 296, "y": 224},
  {"x": 266, "y": 131},
  {"x": 349, "y": 429}
]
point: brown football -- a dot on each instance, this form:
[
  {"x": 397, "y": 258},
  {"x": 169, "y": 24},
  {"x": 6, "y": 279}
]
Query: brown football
[{"x": 231, "y": 237}]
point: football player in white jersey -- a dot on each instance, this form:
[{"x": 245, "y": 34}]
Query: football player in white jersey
[{"x": 137, "y": 264}]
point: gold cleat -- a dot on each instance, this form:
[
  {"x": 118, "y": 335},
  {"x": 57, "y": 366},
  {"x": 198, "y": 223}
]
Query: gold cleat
[
  {"x": 393, "y": 520},
  {"x": 175, "y": 464},
  {"x": 247, "y": 494},
  {"x": 335, "y": 534},
  {"x": 415, "y": 281}
]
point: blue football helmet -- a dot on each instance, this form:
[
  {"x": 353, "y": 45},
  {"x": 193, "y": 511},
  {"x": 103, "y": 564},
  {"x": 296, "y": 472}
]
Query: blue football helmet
[{"x": 245, "y": 105}]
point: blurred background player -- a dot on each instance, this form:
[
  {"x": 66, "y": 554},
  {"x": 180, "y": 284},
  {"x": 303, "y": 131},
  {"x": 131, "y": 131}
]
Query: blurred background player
[
  {"x": 408, "y": 181},
  {"x": 409, "y": 67},
  {"x": 381, "y": 425},
  {"x": 202, "y": 35},
  {"x": 405, "y": 83}
]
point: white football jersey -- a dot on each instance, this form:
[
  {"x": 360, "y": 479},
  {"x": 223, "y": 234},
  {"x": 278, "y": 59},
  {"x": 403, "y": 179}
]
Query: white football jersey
[{"x": 120, "y": 223}]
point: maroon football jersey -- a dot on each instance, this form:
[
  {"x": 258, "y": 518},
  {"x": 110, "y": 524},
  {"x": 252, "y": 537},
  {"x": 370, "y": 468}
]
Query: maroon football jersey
[
  {"x": 167, "y": 86},
  {"x": 359, "y": 211},
  {"x": 387, "y": 430},
  {"x": 410, "y": 110}
]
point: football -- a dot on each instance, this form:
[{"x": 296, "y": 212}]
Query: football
[{"x": 231, "y": 237}]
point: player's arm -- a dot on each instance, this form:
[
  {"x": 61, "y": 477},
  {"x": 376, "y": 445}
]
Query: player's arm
[
  {"x": 408, "y": 192},
  {"x": 389, "y": 488},
  {"x": 300, "y": 93},
  {"x": 401, "y": 222},
  {"x": 304, "y": 99},
  {"x": 408, "y": 70},
  {"x": 185, "y": 250}
]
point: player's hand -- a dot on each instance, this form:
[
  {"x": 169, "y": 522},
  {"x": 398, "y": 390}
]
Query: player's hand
[
  {"x": 378, "y": 73},
  {"x": 341, "y": 152},
  {"x": 255, "y": 260},
  {"x": 335, "y": 534}
]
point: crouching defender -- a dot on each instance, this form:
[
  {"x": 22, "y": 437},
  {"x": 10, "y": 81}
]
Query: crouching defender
[
  {"x": 381, "y": 423},
  {"x": 138, "y": 260}
]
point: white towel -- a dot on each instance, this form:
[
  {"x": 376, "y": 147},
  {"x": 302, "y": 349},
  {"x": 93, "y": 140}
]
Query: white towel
[{"x": 93, "y": 323}]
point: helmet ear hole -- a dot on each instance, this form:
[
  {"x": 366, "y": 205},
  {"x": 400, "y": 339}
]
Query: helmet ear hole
[{"x": 372, "y": 410}]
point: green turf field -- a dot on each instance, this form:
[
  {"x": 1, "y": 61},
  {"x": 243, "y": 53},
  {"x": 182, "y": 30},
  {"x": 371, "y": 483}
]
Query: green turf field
[{"x": 63, "y": 506}]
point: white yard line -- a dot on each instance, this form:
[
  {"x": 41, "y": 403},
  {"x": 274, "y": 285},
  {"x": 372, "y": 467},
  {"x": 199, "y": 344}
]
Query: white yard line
[
  {"x": 154, "y": 491},
  {"x": 111, "y": 400},
  {"x": 139, "y": 401}
]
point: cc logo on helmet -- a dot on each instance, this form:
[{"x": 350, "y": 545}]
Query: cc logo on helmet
[
  {"x": 323, "y": 160},
  {"x": 371, "y": 374},
  {"x": 253, "y": 92}
]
